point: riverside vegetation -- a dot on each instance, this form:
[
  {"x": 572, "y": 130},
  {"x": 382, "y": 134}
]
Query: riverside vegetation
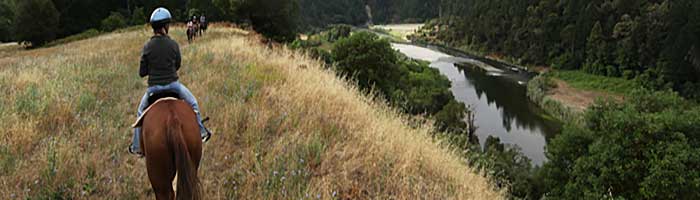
[{"x": 286, "y": 126}]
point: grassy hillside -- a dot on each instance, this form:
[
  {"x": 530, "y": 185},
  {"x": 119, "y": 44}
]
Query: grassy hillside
[{"x": 285, "y": 127}]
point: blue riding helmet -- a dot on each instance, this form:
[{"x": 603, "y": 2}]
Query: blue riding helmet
[
  {"x": 161, "y": 15},
  {"x": 160, "y": 18}
]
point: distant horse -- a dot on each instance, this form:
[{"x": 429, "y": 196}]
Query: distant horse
[
  {"x": 203, "y": 27},
  {"x": 172, "y": 145}
]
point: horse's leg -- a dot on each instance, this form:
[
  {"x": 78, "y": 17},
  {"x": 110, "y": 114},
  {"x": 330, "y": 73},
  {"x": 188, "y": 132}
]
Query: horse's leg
[{"x": 159, "y": 163}]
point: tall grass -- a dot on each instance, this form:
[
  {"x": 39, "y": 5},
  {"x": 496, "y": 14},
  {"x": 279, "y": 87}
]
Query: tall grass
[{"x": 282, "y": 131}]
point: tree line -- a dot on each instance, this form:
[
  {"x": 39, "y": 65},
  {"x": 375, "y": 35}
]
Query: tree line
[
  {"x": 41, "y": 21},
  {"x": 403, "y": 11},
  {"x": 655, "y": 41}
]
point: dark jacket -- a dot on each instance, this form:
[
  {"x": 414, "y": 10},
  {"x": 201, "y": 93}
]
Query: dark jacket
[{"x": 160, "y": 61}]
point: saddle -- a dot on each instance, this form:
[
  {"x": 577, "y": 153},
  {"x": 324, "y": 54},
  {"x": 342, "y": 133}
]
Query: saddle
[{"x": 155, "y": 98}]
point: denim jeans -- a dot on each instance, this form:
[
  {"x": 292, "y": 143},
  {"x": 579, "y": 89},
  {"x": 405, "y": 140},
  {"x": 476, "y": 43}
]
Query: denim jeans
[{"x": 185, "y": 95}]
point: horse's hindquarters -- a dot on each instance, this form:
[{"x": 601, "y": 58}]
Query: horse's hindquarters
[{"x": 172, "y": 145}]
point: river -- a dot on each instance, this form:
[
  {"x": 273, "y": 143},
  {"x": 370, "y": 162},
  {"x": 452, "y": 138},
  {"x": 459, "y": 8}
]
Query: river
[{"x": 496, "y": 94}]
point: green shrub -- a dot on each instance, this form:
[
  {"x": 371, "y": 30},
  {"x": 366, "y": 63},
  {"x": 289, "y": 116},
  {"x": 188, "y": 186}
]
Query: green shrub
[
  {"x": 537, "y": 87},
  {"x": 115, "y": 21},
  {"x": 537, "y": 90},
  {"x": 321, "y": 54}
]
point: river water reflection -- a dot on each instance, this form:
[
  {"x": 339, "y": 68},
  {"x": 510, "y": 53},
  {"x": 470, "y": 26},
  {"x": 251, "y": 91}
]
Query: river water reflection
[{"x": 498, "y": 98}]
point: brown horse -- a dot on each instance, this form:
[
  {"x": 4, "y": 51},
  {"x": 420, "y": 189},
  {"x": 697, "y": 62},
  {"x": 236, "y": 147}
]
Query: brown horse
[{"x": 172, "y": 144}]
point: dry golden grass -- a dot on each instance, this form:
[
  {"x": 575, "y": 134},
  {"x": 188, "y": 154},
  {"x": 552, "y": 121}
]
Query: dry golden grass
[{"x": 285, "y": 128}]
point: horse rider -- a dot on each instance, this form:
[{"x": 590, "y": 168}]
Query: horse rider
[
  {"x": 160, "y": 61},
  {"x": 195, "y": 20},
  {"x": 190, "y": 25},
  {"x": 203, "y": 21}
]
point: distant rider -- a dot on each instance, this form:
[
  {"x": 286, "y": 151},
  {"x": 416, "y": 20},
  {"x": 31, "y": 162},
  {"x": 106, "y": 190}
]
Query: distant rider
[
  {"x": 203, "y": 23},
  {"x": 190, "y": 25},
  {"x": 160, "y": 61}
]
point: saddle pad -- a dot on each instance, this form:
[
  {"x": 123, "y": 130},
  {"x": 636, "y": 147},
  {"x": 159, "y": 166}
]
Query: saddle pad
[{"x": 139, "y": 121}]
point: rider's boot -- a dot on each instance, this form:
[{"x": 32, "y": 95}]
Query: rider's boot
[
  {"x": 133, "y": 149},
  {"x": 205, "y": 133},
  {"x": 137, "y": 153}
]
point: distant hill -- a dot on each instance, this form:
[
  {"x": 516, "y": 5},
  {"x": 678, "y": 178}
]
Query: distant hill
[{"x": 285, "y": 127}]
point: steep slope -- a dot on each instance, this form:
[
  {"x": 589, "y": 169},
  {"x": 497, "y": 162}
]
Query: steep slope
[{"x": 285, "y": 127}]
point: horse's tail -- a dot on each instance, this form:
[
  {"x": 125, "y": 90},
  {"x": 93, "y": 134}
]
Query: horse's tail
[{"x": 188, "y": 186}]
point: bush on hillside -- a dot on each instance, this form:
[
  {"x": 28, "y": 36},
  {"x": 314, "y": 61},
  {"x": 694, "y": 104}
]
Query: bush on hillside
[
  {"x": 115, "y": 21},
  {"x": 36, "y": 21}
]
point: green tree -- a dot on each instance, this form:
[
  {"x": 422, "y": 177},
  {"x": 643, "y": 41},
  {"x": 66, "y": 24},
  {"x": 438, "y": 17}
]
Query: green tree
[
  {"x": 625, "y": 57},
  {"x": 275, "y": 19},
  {"x": 597, "y": 50},
  {"x": 369, "y": 59},
  {"x": 36, "y": 21}
]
